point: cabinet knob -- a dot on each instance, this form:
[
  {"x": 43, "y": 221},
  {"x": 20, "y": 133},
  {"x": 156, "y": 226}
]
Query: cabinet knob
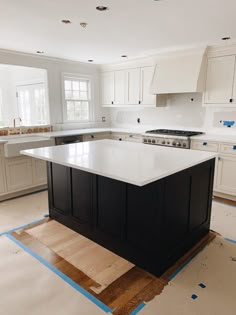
[
  {"x": 139, "y": 102},
  {"x": 204, "y": 143},
  {"x": 231, "y": 100},
  {"x": 92, "y": 136},
  {"x": 219, "y": 158},
  {"x": 112, "y": 102}
]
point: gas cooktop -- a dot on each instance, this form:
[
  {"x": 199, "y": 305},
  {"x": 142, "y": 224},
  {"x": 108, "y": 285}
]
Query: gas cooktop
[{"x": 184, "y": 133}]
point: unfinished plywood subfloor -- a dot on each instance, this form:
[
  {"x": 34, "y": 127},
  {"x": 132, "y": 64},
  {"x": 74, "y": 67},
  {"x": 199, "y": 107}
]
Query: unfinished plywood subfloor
[
  {"x": 215, "y": 267},
  {"x": 98, "y": 263},
  {"x": 28, "y": 288},
  {"x": 125, "y": 293}
]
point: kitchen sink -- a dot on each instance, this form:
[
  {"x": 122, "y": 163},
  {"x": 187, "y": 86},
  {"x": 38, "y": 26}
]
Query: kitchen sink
[{"x": 17, "y": 143}]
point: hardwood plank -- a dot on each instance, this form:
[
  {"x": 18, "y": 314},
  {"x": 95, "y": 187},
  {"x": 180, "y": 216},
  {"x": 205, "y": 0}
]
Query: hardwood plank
[{"x": 226, "y": 201}]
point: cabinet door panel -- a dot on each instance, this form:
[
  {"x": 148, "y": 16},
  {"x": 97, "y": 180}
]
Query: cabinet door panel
[
  {"x": 226, "y": 175},
  {"x": 120, "y": 82},
  {"x": 39, "y": 172},
  {"x": 19, "y": 174},
  {"x": 2, "y": 177},
  {"x": 111, "y": 207},
  {"x": 146, "y": 78},
  {"x": 200, "y": 194},
  {"x": 133, "y": 86},
  {"x": 107, "y": 88},
  {"x": 82, "y": 196},
  {"x": 220, "y": 75},
  {"x": 144, "y": 205},
  {"x": 176, "y": 212},
  {"x": 61, "y": 188}
]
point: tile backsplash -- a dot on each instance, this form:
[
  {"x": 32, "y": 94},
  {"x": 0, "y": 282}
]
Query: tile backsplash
[{"x": 24, "y": 130}]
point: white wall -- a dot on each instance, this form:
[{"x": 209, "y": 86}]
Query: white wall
[
  {"x": 55, "y": 68},
  {"x": 180, "y": 112}
]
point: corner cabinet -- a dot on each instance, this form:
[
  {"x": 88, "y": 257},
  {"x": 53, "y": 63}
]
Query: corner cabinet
[
  {"x": 221, "y": 81},
  {"x": 225, "y": 170},
  {"x": 226, "y": 175},
  {"x": 127, "y": 87}
]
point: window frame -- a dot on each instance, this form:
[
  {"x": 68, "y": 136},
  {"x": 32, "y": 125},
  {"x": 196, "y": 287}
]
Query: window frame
[{"x": 77, "y": 76}]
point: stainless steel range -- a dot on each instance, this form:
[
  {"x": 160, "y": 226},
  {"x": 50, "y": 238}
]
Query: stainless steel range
[{"x": 170, "y": 138}]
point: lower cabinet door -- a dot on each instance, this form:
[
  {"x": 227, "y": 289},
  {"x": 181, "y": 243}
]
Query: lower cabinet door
[
  {"x": 2, "y": 177},
  {"x": 226, "y": 175},
  {"x": 39, "y": 172},
  {"x": 82, "y": 194},
  {"x": 19, "y": 174},
  {"x": 111, "y": 207},
  {"x": 60, "y": 188}
]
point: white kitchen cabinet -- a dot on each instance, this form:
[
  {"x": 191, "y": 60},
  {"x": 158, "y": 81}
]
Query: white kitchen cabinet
[
  {"x": 107, "y": 88},
  {"x": 120, "y": 81},
  {"x": 2, "y": 177},
  {"x": 39, "y": 168},
  {"x": 145, "y": 81},
  {"x": 220, "y": 80},
  {"x": 19, "y": 174},
  {"x": 226, "y": 175},
  {"x": 133, "y": 86}
]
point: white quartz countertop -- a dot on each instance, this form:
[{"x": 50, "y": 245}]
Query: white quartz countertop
[
  {"x": 216, "y": 138},
  {"x": 133, "y": 163}
]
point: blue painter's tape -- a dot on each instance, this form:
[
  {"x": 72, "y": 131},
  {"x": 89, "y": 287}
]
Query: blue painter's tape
[
  {"x": 60, "y": 274},
  {"x": 46, "y": 215},
  {"x": 21, "y": 227},
  {"x": 229, "y": 123},
  {"x": 180, "y": 268},
  {"x": 234, "y": 147},
  {"x": 202, "y": 285},
  {"x": 194, "y": 296},
  {"x": 138, "y": 309},
  {"x": 230, "y": 240}
]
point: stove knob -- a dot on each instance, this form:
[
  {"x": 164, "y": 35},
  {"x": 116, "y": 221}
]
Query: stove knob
[
  {"x": 184, "y": 145},
  {"x": 178, "y": 144},
  {"x": 149, "y": 141},
  {"x": 145, "y": 140},
  {"x": 173, "y": 143},
  {"x": 153, "y": 141},
  {"x": 163, "y": 142}
]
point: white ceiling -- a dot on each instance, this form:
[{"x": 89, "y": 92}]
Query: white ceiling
[{"x": 132, "y": 27}]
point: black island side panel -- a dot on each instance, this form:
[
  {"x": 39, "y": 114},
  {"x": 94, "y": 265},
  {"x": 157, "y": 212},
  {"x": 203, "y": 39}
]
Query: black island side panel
[{"x": 152, "y": 226}]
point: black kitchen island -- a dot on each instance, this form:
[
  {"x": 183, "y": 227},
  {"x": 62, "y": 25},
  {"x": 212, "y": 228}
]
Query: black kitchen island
[{"x": 152, "y": 225}]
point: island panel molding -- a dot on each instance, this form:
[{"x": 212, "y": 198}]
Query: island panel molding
[{"x": 151, "y": 226}]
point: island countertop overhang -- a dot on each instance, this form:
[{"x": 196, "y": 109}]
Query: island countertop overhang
[{"x": 133, "y": 163}]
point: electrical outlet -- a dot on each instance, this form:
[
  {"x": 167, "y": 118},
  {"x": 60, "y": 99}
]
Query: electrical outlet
[
  {"x": 103, "y": 119},
  {"x": 138, "y": 120}
]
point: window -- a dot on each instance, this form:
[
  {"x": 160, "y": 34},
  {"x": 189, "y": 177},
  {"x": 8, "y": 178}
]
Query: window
[
  {"x": 32, "y": 104},
  {"x": 77, "y": 99}
]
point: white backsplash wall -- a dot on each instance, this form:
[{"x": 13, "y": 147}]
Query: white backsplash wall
[{"x": 180, "y": 112}]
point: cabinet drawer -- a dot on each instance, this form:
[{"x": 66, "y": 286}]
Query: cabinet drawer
[
  {"x": 204, "y": 146},
  {"x": 228, "y": 148},
  {"x": 96, "y": 136}
]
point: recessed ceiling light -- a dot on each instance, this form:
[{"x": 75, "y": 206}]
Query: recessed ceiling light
[
  {"x": 101, "y": 8},
  {"x": 66, "y": 21},
  {"x": 83, "y": 24},
  {"x": 124, "y": 56},
  {"x": 90, "y": 60},
  {"x": 225, "y": 38},
  {"x": 40, "y": 52}
]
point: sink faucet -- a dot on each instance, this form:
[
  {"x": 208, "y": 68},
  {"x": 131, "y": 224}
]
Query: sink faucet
[{"x": 14, "y": 121}]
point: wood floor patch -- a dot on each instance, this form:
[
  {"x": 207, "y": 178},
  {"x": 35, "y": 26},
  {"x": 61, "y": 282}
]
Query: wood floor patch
[
  {"x": 58, "y": 245},
  {"x": 98, "y": 263}
]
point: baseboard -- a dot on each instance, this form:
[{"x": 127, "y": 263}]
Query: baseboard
[
  {"x": 22, "y": 192},
  {"x": 225, "y": 196}
]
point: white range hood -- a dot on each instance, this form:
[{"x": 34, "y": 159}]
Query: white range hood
[{"x": 180, "y": 73}]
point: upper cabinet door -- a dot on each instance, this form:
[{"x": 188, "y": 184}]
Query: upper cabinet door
[
  {"x": 133, "y": 86},
  {"x": 220, "y": 78},
  {"x": 120, "y": 83},
  {"x": 146, "y": 77},
  {"x": 107, "y": 88}
]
